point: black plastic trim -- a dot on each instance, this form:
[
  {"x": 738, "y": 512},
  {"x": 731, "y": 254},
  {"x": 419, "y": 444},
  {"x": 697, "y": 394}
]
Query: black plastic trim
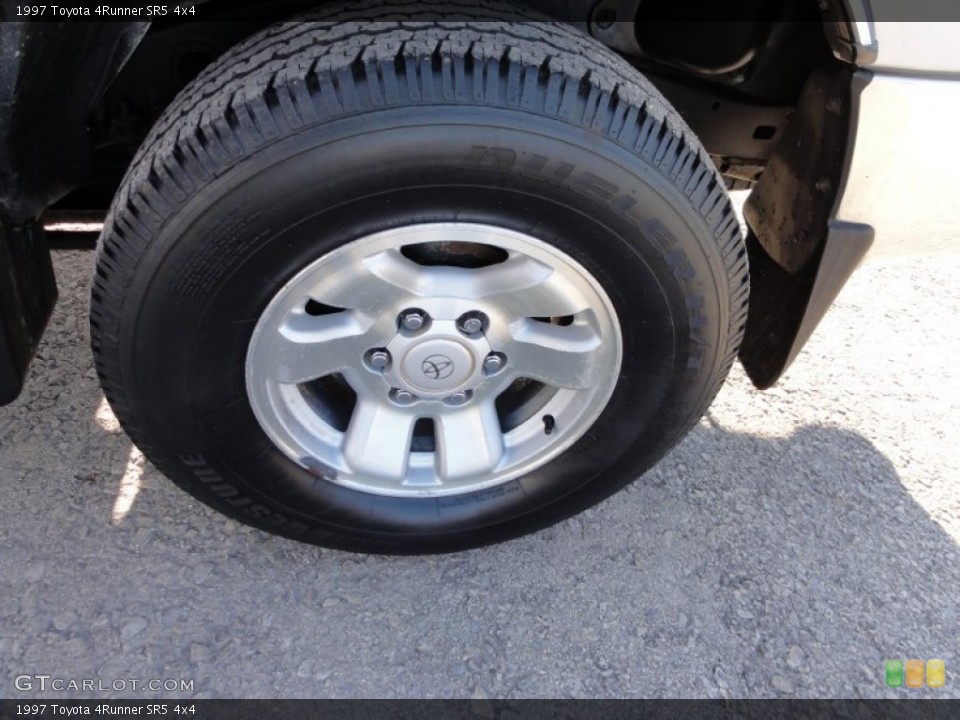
[
  {"x": 28, "y": 291},
  {"x": 798, "y": 267},
  {"x": 51, "y": 76}
]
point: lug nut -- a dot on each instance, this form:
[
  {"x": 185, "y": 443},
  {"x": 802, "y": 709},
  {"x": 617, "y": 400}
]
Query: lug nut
[
  {"x": 471, "y": 323},
  {"x": 493, "y": 363},
  {"x": 413, "y": 320},
  {"x": 379, "y": 359},
  {"x": 402, "y": 397},
  {"x": 459, "y": 398}
]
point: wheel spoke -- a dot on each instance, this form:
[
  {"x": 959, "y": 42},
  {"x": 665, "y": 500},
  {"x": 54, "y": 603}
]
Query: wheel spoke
[
  {"x": 562, "y": 356},
  {"x": 521, "y": 285},
  {"x": 469, "y": 441},
  {"x": 305, "y": 347},
  {"x": 525, "y": 287},
  {"x": 377, "y": 440},
  {"x": 369, "y": 284}
]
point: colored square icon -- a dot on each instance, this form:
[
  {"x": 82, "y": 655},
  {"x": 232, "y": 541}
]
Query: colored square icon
[
  {"x": 894, "y": 673},
  {"x": 936, "y": 673},
  {"x": 914, "y": 673}
]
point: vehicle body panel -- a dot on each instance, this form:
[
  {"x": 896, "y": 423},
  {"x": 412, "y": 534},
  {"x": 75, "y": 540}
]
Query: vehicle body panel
[
  {"x": 906, "y": 137},
  {"x": 905, "y": 128},
  {"x": 917, "y": 47}
]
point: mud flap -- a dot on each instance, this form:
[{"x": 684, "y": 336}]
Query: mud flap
[{"x": 28, "y": 291}]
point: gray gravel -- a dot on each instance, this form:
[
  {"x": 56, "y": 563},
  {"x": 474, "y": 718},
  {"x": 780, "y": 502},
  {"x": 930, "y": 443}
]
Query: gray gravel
[{"x": 790, "y": 544}]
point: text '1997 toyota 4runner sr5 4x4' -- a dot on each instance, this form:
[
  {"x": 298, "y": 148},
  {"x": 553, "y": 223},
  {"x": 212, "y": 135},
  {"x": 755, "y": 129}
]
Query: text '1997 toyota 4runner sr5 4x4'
[{"x": 420, "y": 276}]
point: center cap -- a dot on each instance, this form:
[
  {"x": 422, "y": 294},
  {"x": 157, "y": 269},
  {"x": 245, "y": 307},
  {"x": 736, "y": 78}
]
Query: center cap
[{"x": 439, "y": 365}]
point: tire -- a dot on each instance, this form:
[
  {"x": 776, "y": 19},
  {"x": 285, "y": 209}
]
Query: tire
[{"x": 312, "y": 147}]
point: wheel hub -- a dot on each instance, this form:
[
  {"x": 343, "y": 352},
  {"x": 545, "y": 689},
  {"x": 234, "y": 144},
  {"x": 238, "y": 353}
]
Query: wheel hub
[{"x": 437, "y": 362}]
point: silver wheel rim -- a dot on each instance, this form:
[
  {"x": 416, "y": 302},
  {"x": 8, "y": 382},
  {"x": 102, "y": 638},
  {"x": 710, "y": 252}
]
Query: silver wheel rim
[{"x": 382, "y": 368}]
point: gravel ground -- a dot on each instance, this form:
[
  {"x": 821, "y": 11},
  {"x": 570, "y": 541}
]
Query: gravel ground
[{"x": 795, "y": 540}]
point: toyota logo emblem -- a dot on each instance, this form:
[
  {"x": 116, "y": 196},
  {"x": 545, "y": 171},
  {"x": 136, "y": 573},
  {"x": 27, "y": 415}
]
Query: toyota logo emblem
[{"x": 437, "y": 367}]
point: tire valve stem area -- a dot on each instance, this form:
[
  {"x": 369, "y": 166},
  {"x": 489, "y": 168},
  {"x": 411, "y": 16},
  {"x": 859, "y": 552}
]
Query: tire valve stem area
[{"x": 548, "y": 424}]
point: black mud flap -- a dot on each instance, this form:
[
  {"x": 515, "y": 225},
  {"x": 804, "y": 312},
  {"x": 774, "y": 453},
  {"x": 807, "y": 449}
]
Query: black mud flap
[
  {"x": 800, "y": 254},
  {"x": 28, "y": 291}
]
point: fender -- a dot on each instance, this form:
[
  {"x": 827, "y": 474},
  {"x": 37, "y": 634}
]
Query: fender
[
  {"x": 856, "y": 38},
  {"x": 45, "y": 151}
]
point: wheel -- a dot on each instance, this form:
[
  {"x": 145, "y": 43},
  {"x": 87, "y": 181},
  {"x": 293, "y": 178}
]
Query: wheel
[{"x": 415, "y": 287}]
